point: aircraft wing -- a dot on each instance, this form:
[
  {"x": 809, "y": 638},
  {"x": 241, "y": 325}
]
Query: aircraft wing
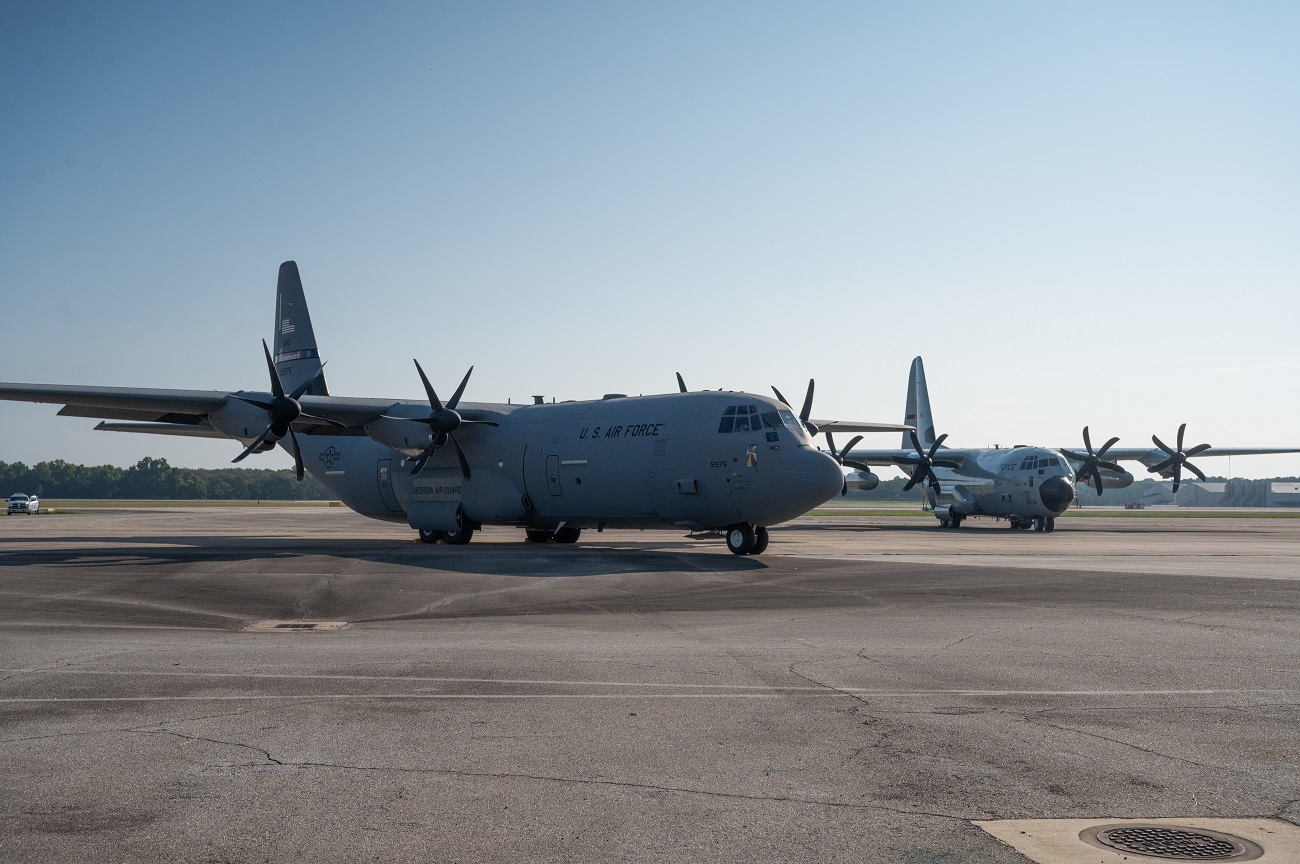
[
  {"x": 905, "y": 457},
  {"x": 193, "y": 407},
  {"x": 857, "y": 426},
  {"x": 1154, "y": 455}
]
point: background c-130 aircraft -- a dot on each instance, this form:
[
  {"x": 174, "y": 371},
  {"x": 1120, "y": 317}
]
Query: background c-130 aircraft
[
  {"x": 733, "y": 462},
  {"x": 1028, "y": 486}
]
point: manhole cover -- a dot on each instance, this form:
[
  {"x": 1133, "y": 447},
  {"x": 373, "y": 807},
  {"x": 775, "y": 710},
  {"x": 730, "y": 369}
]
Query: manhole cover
[{"x": 1173, "y": 843}]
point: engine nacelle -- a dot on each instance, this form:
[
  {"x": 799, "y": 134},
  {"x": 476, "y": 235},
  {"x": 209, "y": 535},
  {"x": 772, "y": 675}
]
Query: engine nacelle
[
  {"x": 409, "y": 437},
  {"x": 1115, "y": 479},
  {"x": 859, "y": 481}
]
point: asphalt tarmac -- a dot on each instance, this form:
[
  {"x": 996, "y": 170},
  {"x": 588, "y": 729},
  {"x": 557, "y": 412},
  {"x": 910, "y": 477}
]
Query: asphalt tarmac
[{"x": 867, "y": 690}]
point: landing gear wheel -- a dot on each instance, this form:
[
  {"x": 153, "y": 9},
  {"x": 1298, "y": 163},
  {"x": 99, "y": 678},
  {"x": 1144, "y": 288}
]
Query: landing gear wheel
[
  {"x": 430, "y": 536},
  {"x": 538, "y": 535},
  {"x": 945, "y": 522},
  {"x": 1051, "y": 525},
  {"x": 760, "y": 541},
  {"x": 741, "y": 538},
  {"x": 567, "y": 534},
  {"x": 955, "y": 517},
  {"x": 1040, "y": 524},
  {"x": 460, "y": 536}
]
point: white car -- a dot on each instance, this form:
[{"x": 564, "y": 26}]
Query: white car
[{"x": 21, "y": 503}]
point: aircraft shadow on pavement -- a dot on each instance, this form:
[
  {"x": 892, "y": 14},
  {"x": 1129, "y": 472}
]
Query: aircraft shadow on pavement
[{"x": 487, "y": 558}]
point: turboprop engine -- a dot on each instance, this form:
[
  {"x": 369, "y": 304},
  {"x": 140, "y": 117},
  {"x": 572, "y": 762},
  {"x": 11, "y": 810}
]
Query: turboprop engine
[{"x": 861, "y": 481}]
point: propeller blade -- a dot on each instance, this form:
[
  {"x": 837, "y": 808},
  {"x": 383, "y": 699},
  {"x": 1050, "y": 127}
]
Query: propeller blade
[
  {"x": 428, "y": 388},
  {"x": 1087, "y": 442},
  {"x": 849, "y": 446},
  {"x": 265, "y": 406},
  {"x": 276, "y": 387},
  {"x": 681, "y": 385},
  {"x": 1163, "y": 446},
  {"x": 424, "y": 459},
  {"x": 807, "y": 403},
  {"x": 784, "y": 401},
  {"x": 859, "y": 466},
  {"x": 1111, "y": 466},
  {"x": 938, "y": 442},
  {"x": 1181, "y": 430},
  {"x": 455, "y": 397},
  {"x": 253, "y": 446},
  {"x": 1197, "y": 449},
  {"x": 1197, "y": 471},
  {"x": 297, "y": 454},
  {"x": 916, "y": 442},
  {"x": 945, "y": 463},
  {"x": 302, "y": 388},
  {"x": 1162, "y": 466},
  {"x": 830, "y": 439},
  {"x": 1107, "y": 446},
  {"x": 1178, "y": 477},
  {"x": 479, "y": 422},
  {"x": 460, "y": 454},
  {"x": 910, "y": 483},
  {"x": 327, "y": 421},
  {"x": 1096, "y": 479},
  {"x": 1078, "y": 457},
  {"x": 934, "y": 483}
]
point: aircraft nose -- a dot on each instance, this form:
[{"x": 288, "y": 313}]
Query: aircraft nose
[
  {"x": 824, "y": 477},
  {"x": 1057, "y": 493}
]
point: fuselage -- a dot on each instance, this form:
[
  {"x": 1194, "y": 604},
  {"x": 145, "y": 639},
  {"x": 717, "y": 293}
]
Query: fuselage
[{"x": 699, "y": 460}]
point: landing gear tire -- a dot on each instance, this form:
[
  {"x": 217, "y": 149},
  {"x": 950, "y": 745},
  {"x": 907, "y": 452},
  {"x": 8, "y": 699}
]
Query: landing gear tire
[
  {"x": 741, "y": 538},
  {"x": 429, "y": 536},
  {"x": 760, "y": 541},
  {"x": 945, "y": 522},
  {"x": 568, "y": 534},
  {"x": 1040, "y": 524},
  {"x": 1050, "y": 526},
  {"x": 538, "y": 535},
  {"x": 460, "y": 536}
]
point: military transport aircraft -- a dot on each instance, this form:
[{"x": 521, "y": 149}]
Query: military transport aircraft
[
  {"x": 714, "y": 460},
  {"x": 1027, "y": 486}
]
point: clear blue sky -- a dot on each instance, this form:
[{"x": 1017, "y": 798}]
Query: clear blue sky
[{"x": 1077, "y": 213}]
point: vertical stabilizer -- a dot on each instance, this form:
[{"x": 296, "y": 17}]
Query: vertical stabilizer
[
  {"x": 917, "y": 413},
  {"x": 296, "y": 356}
]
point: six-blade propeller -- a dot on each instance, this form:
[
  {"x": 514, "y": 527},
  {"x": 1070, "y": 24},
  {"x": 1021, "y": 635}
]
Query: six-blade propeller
[
  {"x": 924, "y": 463},
  {"x": 1178, "y": 458},
  {"x": 282, "y": 411},
  {"x": 805, "y": 411},
  {"x": 1092, "y": 463},
  {"x": 443, "y": 421}
]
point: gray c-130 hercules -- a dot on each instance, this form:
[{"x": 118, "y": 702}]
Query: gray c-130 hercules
[
  {"x": 715, "y": 460},
  {"x": 1027, "y": 486}
]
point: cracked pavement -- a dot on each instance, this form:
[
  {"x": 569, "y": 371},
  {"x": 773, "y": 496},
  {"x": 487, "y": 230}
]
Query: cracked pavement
[{"x": 638, "y": 697}]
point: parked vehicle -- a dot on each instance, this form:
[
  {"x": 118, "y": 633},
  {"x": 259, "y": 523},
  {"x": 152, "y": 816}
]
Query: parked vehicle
[{"x": 21, "y": 502}]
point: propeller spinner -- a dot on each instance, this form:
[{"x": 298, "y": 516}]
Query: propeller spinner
[
  {"x": 1092, "y": 463},
  {"x": 1178, "y": 458},
  {"x": 282, "y": 411}
]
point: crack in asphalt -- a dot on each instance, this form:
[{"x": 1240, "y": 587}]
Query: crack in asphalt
[{"x": 265, "y": 753}]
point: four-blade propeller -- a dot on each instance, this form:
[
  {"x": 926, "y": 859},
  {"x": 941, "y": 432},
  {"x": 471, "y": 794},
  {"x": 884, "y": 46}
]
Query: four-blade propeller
[
  {"x": 805, "y": 411},
  {"x": 1092, "y": 463},
  {"x": 1178, "y": 458},
  {"x": 925, "y": 463},
  {"x": 443, "y": 421},
  {"x": 282, "y": 411}
]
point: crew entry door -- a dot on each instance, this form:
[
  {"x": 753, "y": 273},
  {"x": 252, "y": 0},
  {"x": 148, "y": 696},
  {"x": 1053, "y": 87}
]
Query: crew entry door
[{"x": 385, "y": 479}]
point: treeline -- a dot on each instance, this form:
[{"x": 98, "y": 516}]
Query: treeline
[{"x": 154, "y": 478}]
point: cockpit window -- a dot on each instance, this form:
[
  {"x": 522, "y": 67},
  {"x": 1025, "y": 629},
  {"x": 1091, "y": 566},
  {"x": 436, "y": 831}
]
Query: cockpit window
[{"x": 747, "y": 418}]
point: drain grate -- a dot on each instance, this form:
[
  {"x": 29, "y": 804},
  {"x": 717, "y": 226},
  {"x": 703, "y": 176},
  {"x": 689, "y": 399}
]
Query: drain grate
[
  {"x": 1173, "y": 843},
  {"x": 294, "y": 626}
]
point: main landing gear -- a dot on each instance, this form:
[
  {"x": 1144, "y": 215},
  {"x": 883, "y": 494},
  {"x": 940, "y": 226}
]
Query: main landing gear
[
  {"x": 747, "y": 539},
  {"x": 459, "y": 537},
  {"x": 563, "y": 534},
  {"x": 953, "y": 519},
  {"x": 1038, "y": 523}
]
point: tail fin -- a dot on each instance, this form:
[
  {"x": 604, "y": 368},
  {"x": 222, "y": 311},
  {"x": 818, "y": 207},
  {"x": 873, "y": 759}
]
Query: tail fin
[
  {"x": 296, "y": 357},
  {"x": 917, "y": 412}
]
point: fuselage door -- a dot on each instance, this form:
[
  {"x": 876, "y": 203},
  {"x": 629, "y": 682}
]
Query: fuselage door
[
  {"x": 553, "y": 474},
  {"x": 385, "y": 478}
]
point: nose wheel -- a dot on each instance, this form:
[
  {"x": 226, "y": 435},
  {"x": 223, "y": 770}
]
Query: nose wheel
[{"x": 746, "y": 539}]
